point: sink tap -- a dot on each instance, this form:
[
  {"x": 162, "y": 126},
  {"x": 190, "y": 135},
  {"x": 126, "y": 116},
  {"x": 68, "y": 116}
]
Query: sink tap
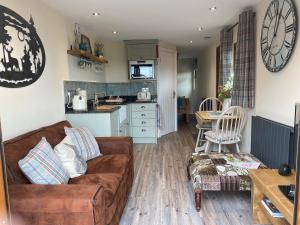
[{"x": 97, "y": 96}]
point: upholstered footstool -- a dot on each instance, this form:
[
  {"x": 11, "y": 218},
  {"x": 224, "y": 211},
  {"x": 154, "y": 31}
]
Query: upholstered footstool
[{"x": 221, "y": 172}]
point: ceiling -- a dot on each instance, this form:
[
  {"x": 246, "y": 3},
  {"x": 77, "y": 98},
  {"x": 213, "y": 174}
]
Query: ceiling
[{"x": 172, "y": 21}]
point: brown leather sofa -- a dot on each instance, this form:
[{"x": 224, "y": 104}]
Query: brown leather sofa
[{"x": 96, "y": 198}]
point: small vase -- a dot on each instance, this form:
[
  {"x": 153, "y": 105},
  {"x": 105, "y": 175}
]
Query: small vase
[{"x": 226, "y": 104}]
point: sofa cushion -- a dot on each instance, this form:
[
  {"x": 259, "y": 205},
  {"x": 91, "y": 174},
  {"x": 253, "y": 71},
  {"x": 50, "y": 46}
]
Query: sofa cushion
[
  {"x": 110, "y": 182},
  {"x": 42, "y": 166},
  {"x": 17, "y": 148},
  {"x": 72, "y": 162},
  {"x": 85, "y": 142},
  {"x": 108, "y": 164}
]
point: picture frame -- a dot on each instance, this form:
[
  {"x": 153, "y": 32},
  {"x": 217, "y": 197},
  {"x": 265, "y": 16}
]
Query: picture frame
[{"x": 87, "y": 42}]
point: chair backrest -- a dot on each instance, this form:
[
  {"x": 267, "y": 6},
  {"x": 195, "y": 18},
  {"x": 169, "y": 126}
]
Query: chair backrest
[
  {"x": 231, "y": 123},
  {"x": 211, "y": 104}
]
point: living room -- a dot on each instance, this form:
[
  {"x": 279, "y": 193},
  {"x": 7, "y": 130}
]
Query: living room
[{"x": 97, "y": 82}]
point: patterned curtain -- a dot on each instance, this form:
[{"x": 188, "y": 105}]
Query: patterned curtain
[
  {"x": 226, "y": 56},
  {"x": 243, "y": 92}
]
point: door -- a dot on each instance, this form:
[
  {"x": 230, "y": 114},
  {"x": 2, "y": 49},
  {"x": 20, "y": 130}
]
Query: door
[{"x": 167, "y": 96}]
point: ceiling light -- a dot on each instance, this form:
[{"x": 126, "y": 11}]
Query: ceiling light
[
  {"x": 96, "y": 14},
  {"x": 213, "y": 8},
  {"x": 191, "y": 41},
  {"x": 115, "y": 32},
  {"x": 200, "y": 28},
  {"x": 207, "y": 37}
]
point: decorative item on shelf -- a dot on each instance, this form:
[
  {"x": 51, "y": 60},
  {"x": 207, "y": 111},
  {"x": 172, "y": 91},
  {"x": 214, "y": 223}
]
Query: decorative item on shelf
[
  {"x": 77, "y": 36},
  {"x": 85, "y": 44},
  {"x": 225, "y": 93},
  {"x": 99, "y": 49},
  {"x": 285, "y": 170}
]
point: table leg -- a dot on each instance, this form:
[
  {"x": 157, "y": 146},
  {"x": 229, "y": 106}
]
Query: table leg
[{"x": 198, "y": 200}]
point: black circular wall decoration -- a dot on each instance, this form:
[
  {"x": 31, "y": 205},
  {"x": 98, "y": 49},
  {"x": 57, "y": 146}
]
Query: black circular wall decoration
[{"x": 22, "y": 55}]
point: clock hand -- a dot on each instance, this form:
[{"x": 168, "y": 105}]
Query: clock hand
[{"x": 279, "y": 16}]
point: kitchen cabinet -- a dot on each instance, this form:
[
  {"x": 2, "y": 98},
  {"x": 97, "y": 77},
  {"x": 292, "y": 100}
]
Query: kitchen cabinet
[
  {"x": 100, "y": 124},
  {"x": 142, "y": 49},
  {"x": 143, "y": 122}
]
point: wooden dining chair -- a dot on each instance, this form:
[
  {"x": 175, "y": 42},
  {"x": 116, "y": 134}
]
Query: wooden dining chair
[
  {"x": 208, "y": 104},
  {"x": 228, "y": 129}
]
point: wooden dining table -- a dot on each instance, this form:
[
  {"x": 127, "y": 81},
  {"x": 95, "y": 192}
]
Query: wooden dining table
[{"x": 207, "y": 116}]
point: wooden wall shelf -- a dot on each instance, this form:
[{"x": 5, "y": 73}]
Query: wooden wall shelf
[{"x": 88, "y": 56}]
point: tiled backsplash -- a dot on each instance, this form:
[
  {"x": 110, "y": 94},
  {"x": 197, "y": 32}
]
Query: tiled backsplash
[{"x": 114, "y": 89}]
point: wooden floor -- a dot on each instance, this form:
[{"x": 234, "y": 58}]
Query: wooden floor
[{"x": 162, "y": 195}]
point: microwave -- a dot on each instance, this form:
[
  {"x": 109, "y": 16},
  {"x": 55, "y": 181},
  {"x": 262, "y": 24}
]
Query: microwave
[{"x": 143, "y": 69}]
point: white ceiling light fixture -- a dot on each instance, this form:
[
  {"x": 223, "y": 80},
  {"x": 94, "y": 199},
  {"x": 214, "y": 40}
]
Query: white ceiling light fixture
[
  {"x": 191, "y": 42},
  {"x": 96, "y": 14},
  {"x": 115, "y": 32},
  {"x": 214, "y": 8},
  {"x": 200, "y": 28}
]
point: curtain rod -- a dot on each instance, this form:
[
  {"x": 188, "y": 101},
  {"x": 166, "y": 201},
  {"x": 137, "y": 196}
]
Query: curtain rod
[{"x": 233, "y": 26}]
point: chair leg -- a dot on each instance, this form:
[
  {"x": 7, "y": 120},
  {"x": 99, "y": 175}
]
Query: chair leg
[
  {"x": 207, "y": 146},
  {"x": 237, "y": 148},
  {"x": 201, "y": 135},
  {"x": 220, "y": 148},
  {"x": 198, "y": 138}
]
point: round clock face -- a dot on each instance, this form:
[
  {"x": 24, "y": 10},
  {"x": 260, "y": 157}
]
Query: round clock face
[{"x": 278, "y": 34}]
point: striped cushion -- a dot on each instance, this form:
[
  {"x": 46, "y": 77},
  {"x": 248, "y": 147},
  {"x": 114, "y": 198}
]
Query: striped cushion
[
  {"x": 41, "y": 165},
  {"x": 84, "y": 142}
]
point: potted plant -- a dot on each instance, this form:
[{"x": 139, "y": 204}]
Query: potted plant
[{"x": 225, "y": 93}]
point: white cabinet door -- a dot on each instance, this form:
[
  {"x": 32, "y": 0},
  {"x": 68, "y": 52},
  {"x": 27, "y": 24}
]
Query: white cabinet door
[{"x": 167, "y": 86}]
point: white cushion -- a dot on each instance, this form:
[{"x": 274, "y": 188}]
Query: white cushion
[
  {"x": 71, "y": 161},
  {"x": 212, "y": 135}
]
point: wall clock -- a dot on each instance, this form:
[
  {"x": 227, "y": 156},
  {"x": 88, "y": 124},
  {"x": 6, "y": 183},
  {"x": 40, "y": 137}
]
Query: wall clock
[{"x": 278, "y": 34}]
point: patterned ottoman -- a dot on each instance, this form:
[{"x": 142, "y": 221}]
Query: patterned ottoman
[{"x": 221, "y": 172}]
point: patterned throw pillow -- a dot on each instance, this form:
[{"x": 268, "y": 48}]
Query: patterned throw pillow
[
  {"x": 84, "y": 142},
  {"x": 41, "y": 165},
  {"x": 67, "y": 153}
]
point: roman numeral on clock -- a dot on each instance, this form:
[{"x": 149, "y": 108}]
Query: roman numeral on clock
[
  {"x": 288, "y": 14},
  {"x": 287, "y": 45},
  {"x": 289, "y": 28}
]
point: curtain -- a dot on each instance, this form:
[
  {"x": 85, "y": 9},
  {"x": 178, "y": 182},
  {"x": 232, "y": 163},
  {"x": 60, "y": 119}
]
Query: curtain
[
  {"x": 243, "y": 92},
  {"x": 226, "y": 56}
]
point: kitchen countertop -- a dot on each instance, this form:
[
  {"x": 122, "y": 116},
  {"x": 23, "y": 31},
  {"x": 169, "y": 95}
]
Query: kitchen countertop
[{"x": 94, "y": 111}]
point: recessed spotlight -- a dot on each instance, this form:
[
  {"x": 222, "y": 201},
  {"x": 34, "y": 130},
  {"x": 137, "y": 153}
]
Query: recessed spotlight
[
  {"x": 207, "y": 37},
  {"x": 213, "y": 8},
  {"x": 191, "y": 41},
  {"x": 200, "y": 28},
  {"x": 115, "y": 32},
  {"x": 96, "y": 14}
]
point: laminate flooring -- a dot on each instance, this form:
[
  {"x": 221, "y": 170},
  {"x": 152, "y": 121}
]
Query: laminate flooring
[{"x": 162, "y": 194}]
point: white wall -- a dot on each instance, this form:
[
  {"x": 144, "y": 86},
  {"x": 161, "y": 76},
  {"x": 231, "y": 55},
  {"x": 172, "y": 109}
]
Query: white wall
[
  {"x": 185, "y": 73},
  {"x": 277, "y": 93},
  {"x": 42, "y": 103},
  {"x": 207, "y": 71}
]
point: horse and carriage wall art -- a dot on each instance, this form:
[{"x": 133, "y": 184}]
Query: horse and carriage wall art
[{"x": 22, "y": 55}]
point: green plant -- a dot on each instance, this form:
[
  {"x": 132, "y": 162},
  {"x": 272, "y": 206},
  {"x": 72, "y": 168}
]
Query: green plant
[{"x": 225, "y": 91}]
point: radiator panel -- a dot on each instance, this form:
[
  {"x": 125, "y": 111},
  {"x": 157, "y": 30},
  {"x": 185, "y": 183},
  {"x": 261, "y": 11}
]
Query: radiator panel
[{"x": 271, "y": 142}]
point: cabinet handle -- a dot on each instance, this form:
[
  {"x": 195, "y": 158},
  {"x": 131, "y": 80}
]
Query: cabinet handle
[
  {"x": 143, "y": 122},
  {"x": 144, "y": 130},
  {"x": 143, "y": 115}
]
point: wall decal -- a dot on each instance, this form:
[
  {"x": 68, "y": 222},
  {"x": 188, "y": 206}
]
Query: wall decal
[{"x": 22, "y": 55}]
